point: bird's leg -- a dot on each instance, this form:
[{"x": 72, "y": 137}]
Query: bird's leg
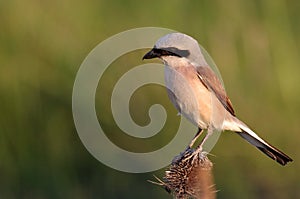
[
  {"x": 200, "y": 147},
  {"x": 198, "y": 134}
]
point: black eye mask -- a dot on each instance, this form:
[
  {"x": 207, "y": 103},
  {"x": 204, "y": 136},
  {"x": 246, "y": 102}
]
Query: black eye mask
[{"x": 171, "y": 51}]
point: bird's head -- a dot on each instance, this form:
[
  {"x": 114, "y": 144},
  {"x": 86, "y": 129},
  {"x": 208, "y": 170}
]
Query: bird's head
[{"x": 175, "y": 47}]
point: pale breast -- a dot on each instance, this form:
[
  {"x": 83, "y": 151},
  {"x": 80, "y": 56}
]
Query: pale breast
[{"x": 191, "y": 98}]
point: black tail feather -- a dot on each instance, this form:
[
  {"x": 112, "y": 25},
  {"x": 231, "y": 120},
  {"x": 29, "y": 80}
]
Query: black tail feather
[
  {"x": 276, "y": 155},
  {"x": 266, "y": 148}
]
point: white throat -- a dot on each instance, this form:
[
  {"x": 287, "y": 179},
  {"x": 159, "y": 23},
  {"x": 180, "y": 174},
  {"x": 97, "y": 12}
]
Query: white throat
[{"x": 176, "y": 62}]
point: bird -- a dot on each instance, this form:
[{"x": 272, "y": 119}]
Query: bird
[{"x": 198, "y": 94}]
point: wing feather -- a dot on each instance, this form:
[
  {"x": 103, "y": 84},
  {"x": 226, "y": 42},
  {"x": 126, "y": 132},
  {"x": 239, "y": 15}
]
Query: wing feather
[{"x": 211, "y": 81}]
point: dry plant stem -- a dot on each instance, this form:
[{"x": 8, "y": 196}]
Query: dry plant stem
[{"x": 190, "y": 176}]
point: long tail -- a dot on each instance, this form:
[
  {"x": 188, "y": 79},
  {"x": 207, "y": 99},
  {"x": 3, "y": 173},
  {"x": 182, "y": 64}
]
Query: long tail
[{"x": 262, "y": 145}]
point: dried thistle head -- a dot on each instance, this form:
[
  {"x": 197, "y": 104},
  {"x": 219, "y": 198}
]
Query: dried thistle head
[{"x": 190, "y": 176}]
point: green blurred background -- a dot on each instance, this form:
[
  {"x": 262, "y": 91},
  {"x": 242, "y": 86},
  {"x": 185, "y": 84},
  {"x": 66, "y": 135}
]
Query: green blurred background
[{"x": 256, "y": 45}]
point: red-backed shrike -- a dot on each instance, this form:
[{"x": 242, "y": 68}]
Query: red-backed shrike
[{"x": 201, "y": 97}]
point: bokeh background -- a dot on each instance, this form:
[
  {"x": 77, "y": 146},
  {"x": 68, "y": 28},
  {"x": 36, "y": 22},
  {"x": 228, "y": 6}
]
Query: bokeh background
[{"x": 255, "y": 44}]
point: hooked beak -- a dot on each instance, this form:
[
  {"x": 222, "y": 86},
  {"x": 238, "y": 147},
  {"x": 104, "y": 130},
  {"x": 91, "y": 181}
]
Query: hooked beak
[{"x": 151, "y": 54}]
